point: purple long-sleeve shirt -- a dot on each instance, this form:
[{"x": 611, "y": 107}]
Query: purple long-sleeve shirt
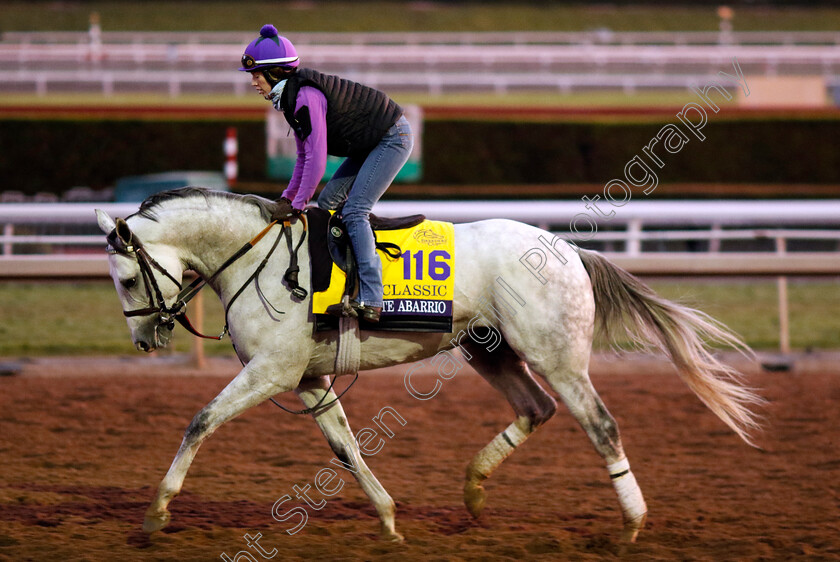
[{"x": 311, "y": 151}]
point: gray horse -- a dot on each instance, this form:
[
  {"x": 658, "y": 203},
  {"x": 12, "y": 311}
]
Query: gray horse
[{"x": 511, "y": 321}]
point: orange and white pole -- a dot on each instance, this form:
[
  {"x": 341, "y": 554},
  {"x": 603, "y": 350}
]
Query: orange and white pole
[{"x": 231, "y": 156}]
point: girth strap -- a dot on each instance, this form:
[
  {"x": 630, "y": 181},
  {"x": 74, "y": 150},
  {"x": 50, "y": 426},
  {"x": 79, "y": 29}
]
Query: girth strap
[
  {"x": 392, "y": 250},
  {"x": 348, "y": 355}
]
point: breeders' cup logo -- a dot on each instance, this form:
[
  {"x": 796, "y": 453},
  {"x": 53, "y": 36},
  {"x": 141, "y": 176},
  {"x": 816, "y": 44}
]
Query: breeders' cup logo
[{"x": 428, "y": 237}]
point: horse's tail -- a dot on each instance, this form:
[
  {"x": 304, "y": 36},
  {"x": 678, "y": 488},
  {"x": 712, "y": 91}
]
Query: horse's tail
[{"x": 623, "y": 302}]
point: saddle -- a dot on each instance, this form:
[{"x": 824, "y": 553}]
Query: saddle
[{"x": 329, "y": 243}]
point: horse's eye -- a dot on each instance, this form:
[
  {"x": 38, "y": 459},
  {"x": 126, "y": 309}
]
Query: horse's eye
[{"x": 129, "y": 283}]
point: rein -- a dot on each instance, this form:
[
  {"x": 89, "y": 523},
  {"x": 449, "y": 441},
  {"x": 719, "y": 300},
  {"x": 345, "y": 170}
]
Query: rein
[
  {"x": 186, "y": 295},
  {"x": 319, "y": 405},
  {"x": 178, "y": 311}
]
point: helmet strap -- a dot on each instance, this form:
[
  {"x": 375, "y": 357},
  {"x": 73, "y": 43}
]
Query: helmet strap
[
  {"x": 275, "y": 74},
  {"x": 270, "y": 77}
]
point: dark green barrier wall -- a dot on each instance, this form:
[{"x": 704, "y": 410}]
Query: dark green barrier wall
[
  {"x": 771, "y": 151},
  {"x": 56, "y": 155},
  {"x": 53, "y": 156}
]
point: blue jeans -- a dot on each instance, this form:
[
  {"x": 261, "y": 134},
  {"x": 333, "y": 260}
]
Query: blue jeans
[{"x": 359, "y": 183}]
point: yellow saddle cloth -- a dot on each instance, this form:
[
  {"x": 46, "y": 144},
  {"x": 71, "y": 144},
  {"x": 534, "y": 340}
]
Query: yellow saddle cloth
[{"x": 418, "y": 285}]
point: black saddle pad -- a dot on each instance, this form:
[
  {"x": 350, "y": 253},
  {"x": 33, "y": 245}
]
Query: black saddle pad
[{"x": 319, "y": 253}]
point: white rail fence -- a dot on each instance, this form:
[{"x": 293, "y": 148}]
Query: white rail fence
[
  {"x": 435, "y": 56},
  {"x": 682, "y": 220},
  {"x": 603, "y": 37},
  {"x": 176, "y": 82},
  {"x": 494, "y": 62},
  {"x": 670, "y": 220}
]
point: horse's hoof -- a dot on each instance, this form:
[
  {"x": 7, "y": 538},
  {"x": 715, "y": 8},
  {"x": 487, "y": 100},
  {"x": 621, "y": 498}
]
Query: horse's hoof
[
  {"x": 632, "y": 528},
  {"x": 474, "y": 498},
  {"x": 392, "y": 536},
  {"x": 388, "y": 533},
  {"x": 156, "y": 521}
]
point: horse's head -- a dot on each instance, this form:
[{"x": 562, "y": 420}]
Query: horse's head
[{"x": 146, "y": 279}]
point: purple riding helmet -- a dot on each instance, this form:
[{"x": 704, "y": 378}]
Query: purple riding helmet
[{"x": 269, "y": 50}]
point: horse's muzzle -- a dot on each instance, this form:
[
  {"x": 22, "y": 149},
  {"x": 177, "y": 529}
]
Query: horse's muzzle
[{"x": 143, "y": 346}]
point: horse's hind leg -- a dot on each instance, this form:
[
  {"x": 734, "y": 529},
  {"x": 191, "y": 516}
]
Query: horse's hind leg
[
  {"x": 333, "y": 424},
  {"x": 533, "y": 406},
  {"x": 586, "y": 406}
]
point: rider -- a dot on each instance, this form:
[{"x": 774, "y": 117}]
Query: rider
[{"x": 331, "y": 115}]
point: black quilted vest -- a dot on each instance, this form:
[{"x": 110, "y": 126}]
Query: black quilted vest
[{"x": 357, "y": 116}]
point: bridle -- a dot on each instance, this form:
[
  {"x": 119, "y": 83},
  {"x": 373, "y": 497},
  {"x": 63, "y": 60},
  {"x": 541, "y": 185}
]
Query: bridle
[
  {"x": 126, "y": 244},
  {"x": 122, "y": 241},
  {"x": 133, "y": 248}
]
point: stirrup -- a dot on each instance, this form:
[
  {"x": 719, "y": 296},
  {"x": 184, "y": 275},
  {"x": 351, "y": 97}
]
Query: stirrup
[
  {"x": 368, "y": 313},
  {"x": 355, "y": 309},
  {"x": 344, "y": 308}
]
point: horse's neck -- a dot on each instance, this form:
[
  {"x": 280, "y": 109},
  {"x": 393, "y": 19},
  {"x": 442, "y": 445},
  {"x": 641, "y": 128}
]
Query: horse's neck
[{"x": 205, "y": 238}]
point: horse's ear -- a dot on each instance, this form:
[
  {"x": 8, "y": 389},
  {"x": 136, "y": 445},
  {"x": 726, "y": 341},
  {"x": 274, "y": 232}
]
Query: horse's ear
[
  {"x": 106, "y": 223},
  {"x": 123, "y": 231}
]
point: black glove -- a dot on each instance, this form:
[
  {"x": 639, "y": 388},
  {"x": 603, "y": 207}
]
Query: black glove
[{"x": 283, "y": 210}]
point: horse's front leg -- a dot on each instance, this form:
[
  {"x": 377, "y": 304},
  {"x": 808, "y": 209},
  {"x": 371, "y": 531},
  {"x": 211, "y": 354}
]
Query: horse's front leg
[
  {"x": 258, "y": 381},
  {"x": 333, "y": 424}
]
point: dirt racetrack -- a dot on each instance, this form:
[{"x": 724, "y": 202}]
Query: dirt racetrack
[{"x": 83, "y": 452}]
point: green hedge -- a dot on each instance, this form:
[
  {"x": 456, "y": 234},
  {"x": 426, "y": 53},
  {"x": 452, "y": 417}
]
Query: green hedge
[
  {"x": 54, "y": 155},
  {"x": 745, "y": 151}
]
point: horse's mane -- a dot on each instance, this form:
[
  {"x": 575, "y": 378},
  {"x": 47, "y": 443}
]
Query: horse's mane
[{"x": 149, "y": 207}]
